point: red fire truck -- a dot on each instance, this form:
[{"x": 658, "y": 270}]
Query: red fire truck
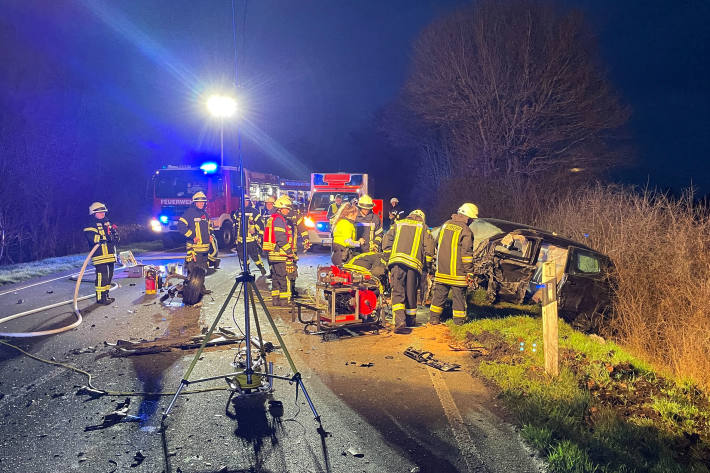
[
  {"x": 173, "y": 187},
  {"x": 324, "y": 188}
]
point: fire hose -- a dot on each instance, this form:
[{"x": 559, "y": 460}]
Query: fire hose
[{"x": 75, "y": 301}]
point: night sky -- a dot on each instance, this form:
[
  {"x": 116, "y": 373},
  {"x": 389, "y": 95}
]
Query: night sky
[{"x": 131, "y": 77}]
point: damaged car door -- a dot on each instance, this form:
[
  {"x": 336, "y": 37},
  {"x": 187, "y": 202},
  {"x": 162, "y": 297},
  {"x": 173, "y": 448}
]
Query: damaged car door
[
  {"x": 585, "y": 289},
  {"x": 514, "y": 263}
]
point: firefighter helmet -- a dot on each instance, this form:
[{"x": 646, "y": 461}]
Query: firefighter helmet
[
  {"x": 365, "y": 202},
  {"x": 394, "y": 200},
  {"x": 283, "y": 202},
  {"x": 271, "y": 199},
  {"x": 97, "y": 207},
  {"x": 420, "y": 214},
  {"x": 199, "y": 197},
  {"x": 468, "y": 209}
]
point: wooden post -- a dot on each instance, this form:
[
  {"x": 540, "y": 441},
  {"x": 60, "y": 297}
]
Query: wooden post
[{"x": 549, "y": 319}]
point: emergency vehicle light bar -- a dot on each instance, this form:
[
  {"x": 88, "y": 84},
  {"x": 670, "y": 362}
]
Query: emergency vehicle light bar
[{"x": 337, "y": 180}]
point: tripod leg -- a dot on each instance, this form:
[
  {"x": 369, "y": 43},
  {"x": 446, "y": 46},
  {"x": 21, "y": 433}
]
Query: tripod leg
[
  {"x": 258, "y": 327},
  {"x": 209, "y": 333},
  {"x": 276, "y": 330}
]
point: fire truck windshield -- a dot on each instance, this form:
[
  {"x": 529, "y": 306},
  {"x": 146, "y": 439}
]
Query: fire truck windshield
[
  {"x": 321, "y": 200},
  {"x": 183, "y": 183}
]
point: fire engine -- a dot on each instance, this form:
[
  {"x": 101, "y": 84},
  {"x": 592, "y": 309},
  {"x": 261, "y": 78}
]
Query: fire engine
[
  {"x": 173, "y": 187},
  {"x": 324, "y": 188}
]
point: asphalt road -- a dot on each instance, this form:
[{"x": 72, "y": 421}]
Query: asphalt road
[{"x": 383, "y": 412}]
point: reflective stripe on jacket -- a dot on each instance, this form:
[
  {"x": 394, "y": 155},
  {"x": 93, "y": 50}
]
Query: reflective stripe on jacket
[
  {"x": 195, "y": 223},
  {"x": 252, "y": 223},
  {"x": 100, "y": 233},
  {"x": 408, "y": 242},
  {"x": 278, "y": 238},
  {"x": 371, "y": 229},
  {"x": 454, "y": 253}
]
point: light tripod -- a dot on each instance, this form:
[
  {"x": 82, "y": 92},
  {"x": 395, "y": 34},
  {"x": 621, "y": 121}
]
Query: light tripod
[{"x": 245, "y": 382}]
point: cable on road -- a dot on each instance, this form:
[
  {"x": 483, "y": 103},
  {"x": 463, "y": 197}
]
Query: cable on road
[{"x": 107, "y": 392}]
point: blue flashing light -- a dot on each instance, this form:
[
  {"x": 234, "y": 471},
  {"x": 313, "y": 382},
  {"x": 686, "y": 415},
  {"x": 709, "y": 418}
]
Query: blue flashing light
[
  {"x": 209, "y": 167},
  {"x": 163, "y": 219},
  {"x": 323, "y": 226}
]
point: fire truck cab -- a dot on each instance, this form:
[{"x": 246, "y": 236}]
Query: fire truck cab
[
  {"x": 173, "y": 188},
  {"x": 324, "y": 188}
]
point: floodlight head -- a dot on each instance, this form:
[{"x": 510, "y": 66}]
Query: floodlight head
[{"x": 221, "y": 106}]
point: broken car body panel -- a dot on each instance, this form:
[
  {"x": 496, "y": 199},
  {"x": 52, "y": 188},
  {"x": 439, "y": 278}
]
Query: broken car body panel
[{"x": 508, "y": 261}]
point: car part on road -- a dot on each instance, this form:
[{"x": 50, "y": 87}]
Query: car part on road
[
  {"x": 427, "y": 358},
  {"x": 192, "y": 288},
  {"x": 117, "y": 416}
]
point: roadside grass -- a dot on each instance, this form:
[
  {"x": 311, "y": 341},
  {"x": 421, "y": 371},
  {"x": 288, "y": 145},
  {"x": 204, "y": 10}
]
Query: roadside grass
[
  {"x": 14, "y": 273},
  {"x": 607, "y": 412}
]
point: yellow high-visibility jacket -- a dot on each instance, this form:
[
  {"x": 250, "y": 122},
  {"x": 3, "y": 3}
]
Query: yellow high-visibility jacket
[
  {"x": 454, "y": 252},
  {"x": 195, "y": 224},
  {"x": 409, "y": 243},
  {"x": 344, "y": 234},
  {"x": 103, "y": 233}
]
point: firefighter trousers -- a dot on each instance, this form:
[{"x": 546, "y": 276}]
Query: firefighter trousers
[
  {"x": 102, "y": 283},
  {"x": 280, "y": 284},
  {"x": 405, "y": 283},
  {"x": 253, "y": 253},
  {"x": 438, "y": 299}
]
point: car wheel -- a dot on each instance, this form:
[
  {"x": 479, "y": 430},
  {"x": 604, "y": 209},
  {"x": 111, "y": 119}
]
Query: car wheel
[
  {"x": 192, "y": 288},
  {"x": 226, "y": 236}
]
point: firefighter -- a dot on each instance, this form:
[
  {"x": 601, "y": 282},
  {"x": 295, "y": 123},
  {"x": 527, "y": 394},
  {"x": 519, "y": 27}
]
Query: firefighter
[
  {"x": 253, "y": 232},
  {"x": 101, "y": 232},
  {"x": 278, "y": 241},
  {"x": 344, "y": 236},
  {"x": 408, "y": 246},
  {"x": 213, "y": 259},
  {"x": 454, "y": 264},
  {"x": 396, "y": 212},
  {"x": 300, "y": 233},
  {"x": 194, "y": 224},
  {"x": 369, "y": 225},
  {"x": 372, "y": 264},
  {"x": 334, "y": 206}
]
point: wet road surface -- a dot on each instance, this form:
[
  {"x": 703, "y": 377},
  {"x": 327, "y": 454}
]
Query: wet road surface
[{"x": 395, "y": 414}]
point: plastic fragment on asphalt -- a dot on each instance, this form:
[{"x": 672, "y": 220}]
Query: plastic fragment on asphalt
[
  {"x": 355, "y": 452},
  {"x": 20, "y": 301}
]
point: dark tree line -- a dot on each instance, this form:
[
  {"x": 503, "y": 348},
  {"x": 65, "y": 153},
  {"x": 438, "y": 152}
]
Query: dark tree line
[{"x": 506, "y": 98}]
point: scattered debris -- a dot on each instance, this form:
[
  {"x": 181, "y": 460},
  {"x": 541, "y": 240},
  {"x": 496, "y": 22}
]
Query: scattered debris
[
  {"x": 20, "y": 301},
  {"x": 355, "y": 452},
  {"x": 81, "y": 351},
  {"x": 150, "y": 303},
  {"x": 389, "y": 357},
  {"x": 477, "y": 350},
  {"x": 112, "y": 418},
  {"x": 427, "y": 358},
  {"x": 414, "y": 470},
  {"x": 367, "y": 365},
  {"x": 50, "y": 291},
  {"x": 137, "y": 459},
  {"x": 130, "y": 311}
]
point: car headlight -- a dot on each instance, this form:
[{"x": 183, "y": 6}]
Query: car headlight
[
  {"x": 156, "y": 226},
  {"x": 308, "y": 222}
]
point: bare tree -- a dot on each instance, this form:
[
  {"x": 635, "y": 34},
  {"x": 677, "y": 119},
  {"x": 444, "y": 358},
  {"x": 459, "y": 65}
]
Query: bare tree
[{"x": 513, "y": 90}]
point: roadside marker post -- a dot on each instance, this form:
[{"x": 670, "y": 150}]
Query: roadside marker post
[{"x": 549, "y": 319}]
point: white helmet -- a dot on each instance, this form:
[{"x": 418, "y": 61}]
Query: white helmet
[{"x": 97, "y": 207}]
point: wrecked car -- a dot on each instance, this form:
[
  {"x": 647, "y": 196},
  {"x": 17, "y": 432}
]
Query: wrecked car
[{"x": 508, "y": 261}]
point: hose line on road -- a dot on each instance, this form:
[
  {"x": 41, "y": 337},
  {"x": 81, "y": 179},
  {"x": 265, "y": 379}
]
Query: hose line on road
[
  {"x": 75, "y": 301},
  {"x": 106, "y": 392}
]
